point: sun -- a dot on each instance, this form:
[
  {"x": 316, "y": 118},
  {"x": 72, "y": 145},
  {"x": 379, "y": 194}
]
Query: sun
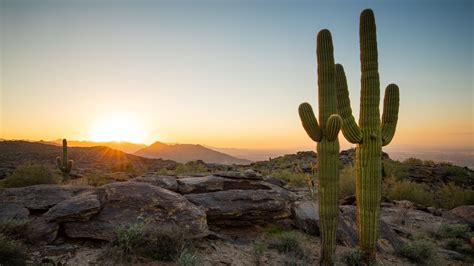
[{"x": 118, "y": 127}]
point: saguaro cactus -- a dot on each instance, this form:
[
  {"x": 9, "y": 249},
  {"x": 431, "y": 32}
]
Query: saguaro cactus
[
  {"x": 370, "y": 135},
  {"x": 325, "y": 134},
  {"x": 64, "y": 165}
]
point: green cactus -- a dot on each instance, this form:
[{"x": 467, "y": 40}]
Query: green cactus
[
  {"x": 64, "y": 165},
  {"x": 370, "y": 135},
  {"x": 327, "y": 146}
]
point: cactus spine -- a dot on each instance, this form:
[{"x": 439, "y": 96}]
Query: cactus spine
[
  {"x": 64, "y": 165},
  {"x": 325, "y": 134},
  {"x": 370, "y": 135}
]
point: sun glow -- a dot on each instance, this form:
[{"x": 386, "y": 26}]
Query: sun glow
[{"x": 118, "y": 127}]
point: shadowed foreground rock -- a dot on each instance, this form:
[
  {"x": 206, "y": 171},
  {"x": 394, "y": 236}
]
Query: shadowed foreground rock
[
  {"x": 239, "y": 207},
  {"x": 131, "y": 202}
]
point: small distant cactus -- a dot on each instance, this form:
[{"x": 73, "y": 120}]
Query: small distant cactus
[
  {"x": 64, "y": 165},
  {"x": 370, "y": 134},
  {"x": 325, "y": 135}
]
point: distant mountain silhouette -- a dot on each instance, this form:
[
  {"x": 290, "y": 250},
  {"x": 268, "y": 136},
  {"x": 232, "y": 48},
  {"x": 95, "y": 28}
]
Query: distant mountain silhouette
[
  {"x": 124, "y": 146},
  {"x": 188, "y": 152}
]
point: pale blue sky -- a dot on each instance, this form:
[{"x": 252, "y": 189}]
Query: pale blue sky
[{"x": 226, "y": 73}]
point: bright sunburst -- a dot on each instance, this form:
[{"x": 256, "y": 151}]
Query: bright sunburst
[{"x": 118, "y": 127}]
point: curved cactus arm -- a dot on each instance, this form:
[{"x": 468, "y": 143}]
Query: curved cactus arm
[
  {"x": 59, "y": 163},
  {"x": 69, "y": 166},
  {"x": 333, "y": 126},
  {"x": 390, "y": 113},
  {"x": 350, "y": 129},
  {"x": 309, "y": 121}
]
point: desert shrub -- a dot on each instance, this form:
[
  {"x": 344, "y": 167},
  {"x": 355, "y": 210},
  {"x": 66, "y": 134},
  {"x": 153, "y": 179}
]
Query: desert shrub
[
  {"x": 188, "y": 258},
  {"x": 395, "y": 169},
  {"x": 458, "y": 174},
  {"x": 296, "y": 179},
  {"x": 13, "y": 228},
  {"x": 97, "y": 179},
  {"x": 29, "y": 174},
  {"x": 289, "y": 243},
  {"x": 347, "y": 178},
  {"x": 141, "y": 239},
  {"x": 272, "y": 230},
  {"x": 259, "y": 249},
  {"x": 452, "y": 231},
  {"x": 419, "y": 250},
  {"x": 123, "y": 166},
  {"x": 406, "y": 190},
  {"x": 413, "y": 161},
  {"x": 11, "y": 251},
  {"x": 354, "y": 257},
  {"x": 459, "y": 245},
  {"x": 190, "y": 168},
  {"x": 451, "y": 196}
]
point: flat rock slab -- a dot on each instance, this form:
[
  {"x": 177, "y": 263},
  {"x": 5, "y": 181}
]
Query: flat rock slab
[
  {"x": 244, "y": 207},
  {"x": 464, "y": 213},
  {"x": 127, "y": 203},
  {"x": 166, "y": 182},
  {"x": 212, "y": 183},
  {"x": 13, "y": 211},
  {"x": 247, "y": 174},
  {"x": 39, "y": 197},
  {"x": 78, "y": 208}
]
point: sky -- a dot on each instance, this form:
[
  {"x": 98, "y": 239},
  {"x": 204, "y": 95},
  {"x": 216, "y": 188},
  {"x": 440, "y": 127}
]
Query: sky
[{"x": 225, "y": 73}]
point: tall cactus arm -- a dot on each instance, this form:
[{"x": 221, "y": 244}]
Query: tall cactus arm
[
  {"x": 350, "y": 129},
  {"x": 333, "y": 126},
  {"x": 59, "y": 163},
  {"x": 309, "y": 121},
  {"x": 69, "y": 166},
  {"x": 390, "y": 113}
]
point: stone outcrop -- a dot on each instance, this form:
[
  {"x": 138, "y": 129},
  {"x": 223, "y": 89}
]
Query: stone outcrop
[
  {"x": 166, "y": 182},
  {"x": 464, "y": 213}
]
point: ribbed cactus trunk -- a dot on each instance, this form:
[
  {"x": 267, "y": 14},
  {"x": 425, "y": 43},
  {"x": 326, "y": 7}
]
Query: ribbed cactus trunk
[
  {"x": 64, "y": 164},
  {"x": 370, "y": 135},
  {"x": 327, "y": 146}
]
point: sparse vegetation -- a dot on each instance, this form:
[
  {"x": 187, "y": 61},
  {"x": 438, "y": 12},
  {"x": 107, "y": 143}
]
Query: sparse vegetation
[
  {"x": 142, "y": 240},
  {"x": 288, "y": 242},
  {"x": 29, "y": 174},
  {"x": 419, "y": 250},
  {"x": 123, "y": 166},
  {"x": 13, "y": 228},
  {"x": 406, "y": 190},
  {"x": 259, "y": 249},
  {"x": 452, "y": 231},
  {"x": 96, "y": 179},
  {"x": 354, "y": 257},
  {"x": 451, "y": 196},
  {"x": 12, "y": 251}
]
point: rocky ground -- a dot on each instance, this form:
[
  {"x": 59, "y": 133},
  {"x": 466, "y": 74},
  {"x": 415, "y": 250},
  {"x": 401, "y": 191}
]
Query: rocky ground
[{"x": 232, "y": 216}]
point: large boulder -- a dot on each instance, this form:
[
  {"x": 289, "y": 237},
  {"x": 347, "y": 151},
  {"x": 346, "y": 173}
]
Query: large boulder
[
  {"x": 166, "y": 182},
  {"x": 78, "y": 208},
  {"x": 13, "y": 211},
  {"x": 239, "y": 207},
  {"x": 306, "y": 216},
  {"x": 216, "y": 183},
  {"x": 126, "y": 203},
  {"x": 40, "y": 231},
  {"x": 464, "y": 213},
  {"x": 39, "y": 197},
  {"x": 347, "y": 235}
]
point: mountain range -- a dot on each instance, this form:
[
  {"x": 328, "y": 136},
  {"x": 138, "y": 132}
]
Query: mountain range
[{"x": 181, "y": 153}]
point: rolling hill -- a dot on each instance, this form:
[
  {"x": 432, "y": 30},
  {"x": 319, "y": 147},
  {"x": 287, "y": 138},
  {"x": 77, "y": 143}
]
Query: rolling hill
[{"x": 188, "y": 152}]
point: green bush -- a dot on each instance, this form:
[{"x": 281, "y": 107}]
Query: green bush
[
  {"x": 142, "y": 240},
  {"x": 417, "y": 251},
  {"x": 296, "y": 179},
  {"x": 452, "y": 231},
  {"x": 354, "y": 257},
  {"x": 259, "y": 249},
  {"x": 347, "y": 177},
  {"x": 288, "y": 243},
  {"x": 451, "y": 196},
  {"x": 395, "y": 169},
  {"x": 406, "y": 190},
  {"x": 188, "y": 258},
  {"x": 30, "y": 174},
  {"x": 11, "y": 252},
  {"x": 13, "y": 228}
]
